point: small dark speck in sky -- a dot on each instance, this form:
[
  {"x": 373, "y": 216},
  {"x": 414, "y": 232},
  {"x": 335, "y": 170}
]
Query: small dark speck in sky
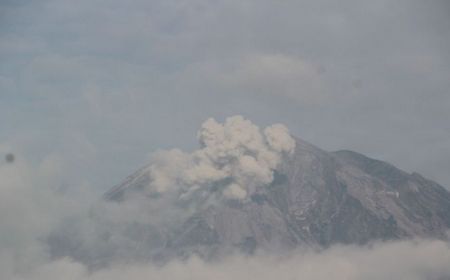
[{"x": 10, "y": 158}]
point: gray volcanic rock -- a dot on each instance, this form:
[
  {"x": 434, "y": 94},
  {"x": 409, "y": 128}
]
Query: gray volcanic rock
[{"x": 316, "y": 199}]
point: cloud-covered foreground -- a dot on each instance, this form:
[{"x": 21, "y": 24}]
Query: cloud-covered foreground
[{"x": 400, "y": 260}]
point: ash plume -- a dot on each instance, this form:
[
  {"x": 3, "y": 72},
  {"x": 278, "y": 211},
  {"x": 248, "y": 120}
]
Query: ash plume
[{"x": 236, "y": 151}]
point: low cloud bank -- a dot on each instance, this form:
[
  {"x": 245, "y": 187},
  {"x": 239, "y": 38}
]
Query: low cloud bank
[{"x": 412, "y": 260}]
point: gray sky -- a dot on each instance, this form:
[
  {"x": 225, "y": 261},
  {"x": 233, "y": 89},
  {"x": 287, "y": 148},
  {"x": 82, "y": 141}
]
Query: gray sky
[{"x": 99, "y": 85}]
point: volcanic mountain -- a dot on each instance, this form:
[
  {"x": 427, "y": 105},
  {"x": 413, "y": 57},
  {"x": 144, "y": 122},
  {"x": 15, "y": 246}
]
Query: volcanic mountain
[
  {"x": 248, "y": 189},
  {"x": 316, "y": 198}
]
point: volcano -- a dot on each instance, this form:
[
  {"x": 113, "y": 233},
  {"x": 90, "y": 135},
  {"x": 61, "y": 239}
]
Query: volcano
[
  {"x": 248, "y": 190},
  {"x": 316, "y": 199}
]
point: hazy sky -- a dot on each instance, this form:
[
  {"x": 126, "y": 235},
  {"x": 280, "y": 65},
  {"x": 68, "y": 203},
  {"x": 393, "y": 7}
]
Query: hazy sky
[{"x": 98, "y": 85}]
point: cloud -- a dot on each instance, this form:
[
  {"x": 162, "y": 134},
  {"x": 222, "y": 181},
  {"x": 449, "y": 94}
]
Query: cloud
[
  {"x": 32, "y": 204},
  {"x": 412, "y": 260},
  {"x": 278, "y": 74},
  {"x": 236, "y": 151},
  {"x": 266, "y": 74}
]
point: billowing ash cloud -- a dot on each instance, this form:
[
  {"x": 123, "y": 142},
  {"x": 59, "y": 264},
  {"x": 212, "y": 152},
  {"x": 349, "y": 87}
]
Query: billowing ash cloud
[{"x": 237, "y": 153}]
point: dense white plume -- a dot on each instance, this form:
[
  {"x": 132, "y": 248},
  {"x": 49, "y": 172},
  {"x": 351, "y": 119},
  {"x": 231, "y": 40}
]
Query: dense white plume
[{"x": 236, "y": 152}]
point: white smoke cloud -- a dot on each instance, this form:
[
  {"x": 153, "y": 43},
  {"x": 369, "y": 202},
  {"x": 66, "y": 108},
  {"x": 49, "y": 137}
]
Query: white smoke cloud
[{"x": 236, "y": 150}]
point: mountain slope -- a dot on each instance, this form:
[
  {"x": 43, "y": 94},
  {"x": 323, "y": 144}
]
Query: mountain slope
[{"x": 317, "y": 199}]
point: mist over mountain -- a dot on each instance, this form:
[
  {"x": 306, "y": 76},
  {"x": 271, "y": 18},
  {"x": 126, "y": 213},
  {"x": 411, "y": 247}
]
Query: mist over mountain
[{"x": 249, "y": 190}]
